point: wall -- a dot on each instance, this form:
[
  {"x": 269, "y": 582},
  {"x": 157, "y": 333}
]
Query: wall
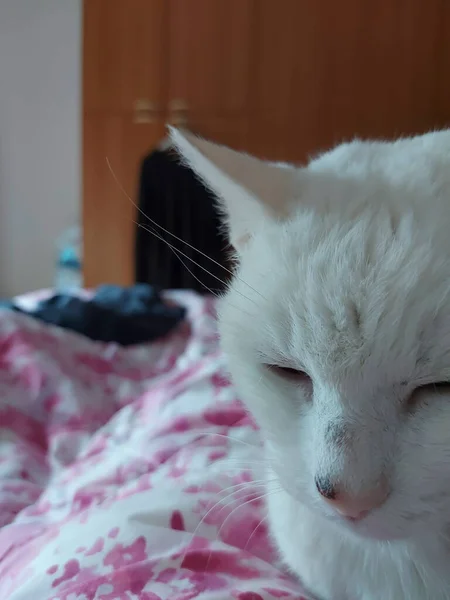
[{"x": 40, "y": 134}]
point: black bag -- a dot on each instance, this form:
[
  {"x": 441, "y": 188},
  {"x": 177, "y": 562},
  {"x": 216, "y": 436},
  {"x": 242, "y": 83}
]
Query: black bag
[{"x": 171, "y": 195}]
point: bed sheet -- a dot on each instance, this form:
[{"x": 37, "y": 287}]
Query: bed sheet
[{"x": 121, "y": 470}]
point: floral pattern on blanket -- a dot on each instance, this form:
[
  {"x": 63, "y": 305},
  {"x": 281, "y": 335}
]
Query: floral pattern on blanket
[{"x": 121, "y": 470}]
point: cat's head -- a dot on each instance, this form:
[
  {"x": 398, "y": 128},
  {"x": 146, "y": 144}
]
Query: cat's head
[{"x": 337, "y": 324}]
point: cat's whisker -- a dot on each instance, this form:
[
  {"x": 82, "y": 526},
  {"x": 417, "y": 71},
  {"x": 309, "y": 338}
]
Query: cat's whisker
[
  {"x": 255, "y": 461},
  {"x": 229, "y": 437},
  {"x": 244, "y": 462},
  {"x": 236, "y": 470},
  {"x": 178, "y": 252},
  {"x": 156, "y": 224},
  {"x": 247, "y": 543},
  {"x": 256, "y": 499},
  {"x": 243, "y": 486},
  {"x": 202, "y": 520},
  {"x": 247, "y": 487},
  {"x": 245, "y": 466}
]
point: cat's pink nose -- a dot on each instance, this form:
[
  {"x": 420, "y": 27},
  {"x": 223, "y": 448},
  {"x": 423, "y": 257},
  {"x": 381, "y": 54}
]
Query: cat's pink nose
[{"x": 353, "y": 507}]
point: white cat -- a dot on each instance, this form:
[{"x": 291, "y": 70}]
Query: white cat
[{"x": 337, "y": 331}]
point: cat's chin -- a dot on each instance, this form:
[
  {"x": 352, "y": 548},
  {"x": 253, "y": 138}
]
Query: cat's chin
[
  {"x": 374, "y": 527},
  {"x": 370, "y": 529}
]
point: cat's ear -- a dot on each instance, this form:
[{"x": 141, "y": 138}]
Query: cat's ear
[{"x": 249, "y": 190}]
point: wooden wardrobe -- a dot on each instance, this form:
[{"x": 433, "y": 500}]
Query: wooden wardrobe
[{"x": 279, "y": 78}]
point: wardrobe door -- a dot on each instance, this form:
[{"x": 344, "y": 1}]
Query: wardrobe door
[
  {"x": 210, "y": 57},
  {"x": 124, "y": 101},
  {"x": 329, "y": 71},
  {"x": 283, "y": 80},
  {"x": 287, "y": 79},
  {"x": 115, "y": 147}
]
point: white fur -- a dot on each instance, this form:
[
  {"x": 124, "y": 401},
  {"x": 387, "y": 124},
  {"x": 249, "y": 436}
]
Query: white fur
[{"x": 347, "y": 277}]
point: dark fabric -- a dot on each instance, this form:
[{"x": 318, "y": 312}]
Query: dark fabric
[
  {"x": 172, "y": 196},
  {"x": 126, "y": 316}
]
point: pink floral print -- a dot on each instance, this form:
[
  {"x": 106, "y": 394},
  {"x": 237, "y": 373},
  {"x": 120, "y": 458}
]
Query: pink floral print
[{"x": 123, "y": 471}]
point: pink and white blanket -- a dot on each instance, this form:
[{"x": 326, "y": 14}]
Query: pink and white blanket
[{"x": 112, "y": 464}]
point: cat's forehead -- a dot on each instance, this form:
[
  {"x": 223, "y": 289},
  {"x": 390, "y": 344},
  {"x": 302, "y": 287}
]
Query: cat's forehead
[{"x": 348, "y": 290}]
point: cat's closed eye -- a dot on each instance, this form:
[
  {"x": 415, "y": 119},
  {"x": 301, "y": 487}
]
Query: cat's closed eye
[
  {"x": 421, "y": 392},
  {"x": 290, "y": 374}
]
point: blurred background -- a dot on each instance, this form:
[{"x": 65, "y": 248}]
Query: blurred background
[
  {"x": 84, "y": 81},
  {"x": 40, "y": 136}
]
